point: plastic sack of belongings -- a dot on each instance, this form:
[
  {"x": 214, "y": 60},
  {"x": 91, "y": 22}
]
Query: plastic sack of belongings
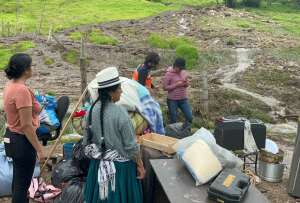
[
  {"x": 72, "y": 192},
  {"x": 210, "y": 159},
  {"x": 136, "y": 98},
  {"x": 65, "y": 171},
  {"x": 6, "y": 173},
  {"x": 70, "y": 179}
]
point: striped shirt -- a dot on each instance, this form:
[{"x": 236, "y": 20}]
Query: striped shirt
[{"x": 170, "y": 83}]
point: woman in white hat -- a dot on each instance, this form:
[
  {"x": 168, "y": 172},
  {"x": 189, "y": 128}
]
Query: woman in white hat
[{"x": 114, "y": 176}]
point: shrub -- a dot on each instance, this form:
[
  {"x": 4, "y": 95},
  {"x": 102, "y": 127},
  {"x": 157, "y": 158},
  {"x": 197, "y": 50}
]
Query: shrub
[
  {"x": 71, "y": 56},
  {"x": 189, "y": 53},
  {"x": 156, "y": 41},
  {"x": 98, "y": 37},
  {"x": 252, "y": 3},
  {"x": 230, "y": 3}
]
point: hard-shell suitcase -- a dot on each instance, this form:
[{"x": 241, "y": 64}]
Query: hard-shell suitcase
[
  {"x": 229, "y": 132},
  {"x": 230, "y": 186}
]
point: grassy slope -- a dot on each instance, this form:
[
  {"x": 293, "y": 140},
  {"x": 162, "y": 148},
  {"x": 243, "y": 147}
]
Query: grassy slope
[
  {"x": 287, "y": 16},
  {"x": 64, "y": 14},
  {"x": 7, "y": 51}
]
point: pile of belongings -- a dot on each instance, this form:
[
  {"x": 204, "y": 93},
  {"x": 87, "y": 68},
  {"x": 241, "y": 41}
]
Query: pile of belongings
[
  {"x": 70, "y": 176},
  {"x": 211, "y": 158},
  {"x": 6, "y": 172},
  {"x": 144, "y": 110},
  {"x": 48, "y": 116}
]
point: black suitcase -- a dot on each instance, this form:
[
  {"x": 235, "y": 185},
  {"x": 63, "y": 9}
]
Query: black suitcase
[
  {"x": 229, "y": 132},
  {"x": 230, "y": 186}
]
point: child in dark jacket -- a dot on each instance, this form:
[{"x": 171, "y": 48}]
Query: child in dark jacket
[{"x": 176, "y": 83}]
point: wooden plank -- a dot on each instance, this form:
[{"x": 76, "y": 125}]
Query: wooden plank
[{"x": 179, "y": 185}]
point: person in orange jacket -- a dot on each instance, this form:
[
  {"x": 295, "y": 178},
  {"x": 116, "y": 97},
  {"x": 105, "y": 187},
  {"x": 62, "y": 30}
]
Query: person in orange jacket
[{"x": 142, "y": 73}]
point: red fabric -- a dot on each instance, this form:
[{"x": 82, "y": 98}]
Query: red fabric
[{"x": 80, "y": 113}]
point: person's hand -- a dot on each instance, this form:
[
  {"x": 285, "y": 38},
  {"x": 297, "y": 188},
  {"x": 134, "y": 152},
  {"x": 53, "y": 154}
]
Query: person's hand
[
  {"x": 141, "y": 172},
  {"x": 179, "y": 83},
  {"x": 41, "y": 156}
]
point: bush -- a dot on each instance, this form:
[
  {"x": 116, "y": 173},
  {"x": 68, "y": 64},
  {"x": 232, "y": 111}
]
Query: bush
[
  {"x": 252, "y": 3},
  {"x": 189, "y": 53},
  {"x": 156, "y": 41},
  {"x": 98, "y": 37},
  {"x": 231, "y": 3}
]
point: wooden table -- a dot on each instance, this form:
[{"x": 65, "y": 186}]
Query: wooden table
[{"x": 179, "y": 186}]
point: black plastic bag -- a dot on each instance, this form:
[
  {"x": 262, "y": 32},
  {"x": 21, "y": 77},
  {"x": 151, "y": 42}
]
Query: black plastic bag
[
  {"x": 64, "y": 171},
  {"x": 178, "y": 130},
  {"x": 79, "y": 158},
  {"x": 73, "y": 192}
]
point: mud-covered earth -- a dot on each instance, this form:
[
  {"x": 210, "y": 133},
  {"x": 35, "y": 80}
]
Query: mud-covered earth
[{"x": 269, "y": 73}]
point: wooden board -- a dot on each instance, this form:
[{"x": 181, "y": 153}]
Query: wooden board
[
  {"x": 179, "y": 185},
  {"x": 159, "y": 142}
]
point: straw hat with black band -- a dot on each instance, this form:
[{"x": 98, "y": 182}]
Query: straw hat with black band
[{"x": 106, "y": 78}]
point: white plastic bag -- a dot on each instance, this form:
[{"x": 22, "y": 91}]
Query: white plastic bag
[{"x": 226, "y": 157}]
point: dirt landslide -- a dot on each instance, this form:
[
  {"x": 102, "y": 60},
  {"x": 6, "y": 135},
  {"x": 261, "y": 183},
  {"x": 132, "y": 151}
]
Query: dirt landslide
[{"x": 63, "y": 78}]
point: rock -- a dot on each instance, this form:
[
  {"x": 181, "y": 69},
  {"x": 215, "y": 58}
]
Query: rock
[
  {"x": 39, "y": 53},
  {"x": 227, "y": 14},
  {"x": 216, "y": 81},
  {"x": 59, "y": 64}
]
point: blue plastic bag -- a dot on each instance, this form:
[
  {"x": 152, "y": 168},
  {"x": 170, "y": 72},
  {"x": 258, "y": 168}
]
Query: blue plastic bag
[
  {"x": 48, "y": 114},
  {"x": 6, "y": 172}
]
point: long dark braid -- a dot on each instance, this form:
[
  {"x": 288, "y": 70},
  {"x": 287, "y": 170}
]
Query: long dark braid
[{"x": 104, "y": 98}]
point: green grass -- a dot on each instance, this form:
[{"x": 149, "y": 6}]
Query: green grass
[
  {"x": 7, "y": 51},
  {"x": 96, "y": 37},
  {"x": 183, "y": 47},
  {"x": 286, "y": 15},
  {"x": 71, "y": 56},
  {"x": 189, "y": 53},
  {"x": 48, "y": 61},
  {"x": 63, "y": 14},
  {"x": 159, "y": 41}
]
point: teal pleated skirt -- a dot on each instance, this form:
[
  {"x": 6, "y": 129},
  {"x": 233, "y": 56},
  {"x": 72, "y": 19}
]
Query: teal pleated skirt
[{"x": 128, "y": 187}]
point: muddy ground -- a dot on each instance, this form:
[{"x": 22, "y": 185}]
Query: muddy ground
[{"x": 239, "y": 82}]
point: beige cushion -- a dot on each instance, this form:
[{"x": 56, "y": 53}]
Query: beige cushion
[{"x": 201, "y": 162}]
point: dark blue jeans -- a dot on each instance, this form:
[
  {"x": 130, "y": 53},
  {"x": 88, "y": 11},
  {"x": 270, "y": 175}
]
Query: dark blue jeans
[{"x": 184, "y": 106}]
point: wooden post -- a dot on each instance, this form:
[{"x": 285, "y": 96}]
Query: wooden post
[
  {"x": 205, "y": 93},
  {"x": 17, "y": 15},
  {"x": 83, "y": 66},
  {"x": 41, "y": 17},
  {"x": 50, "y": 34}
]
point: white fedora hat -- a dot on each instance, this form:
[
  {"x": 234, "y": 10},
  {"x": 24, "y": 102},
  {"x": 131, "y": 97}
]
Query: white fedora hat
[{"x": 106, "y": 78}]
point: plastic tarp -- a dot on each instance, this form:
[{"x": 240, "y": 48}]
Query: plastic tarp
[
  {"x": 48, "y": 114},
  {"x": 6, "y": 172},
  {"x": 226, "y": 157}
]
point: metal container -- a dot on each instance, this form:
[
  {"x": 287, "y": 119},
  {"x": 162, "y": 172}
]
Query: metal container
[{"x": 270, "y": 172}]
